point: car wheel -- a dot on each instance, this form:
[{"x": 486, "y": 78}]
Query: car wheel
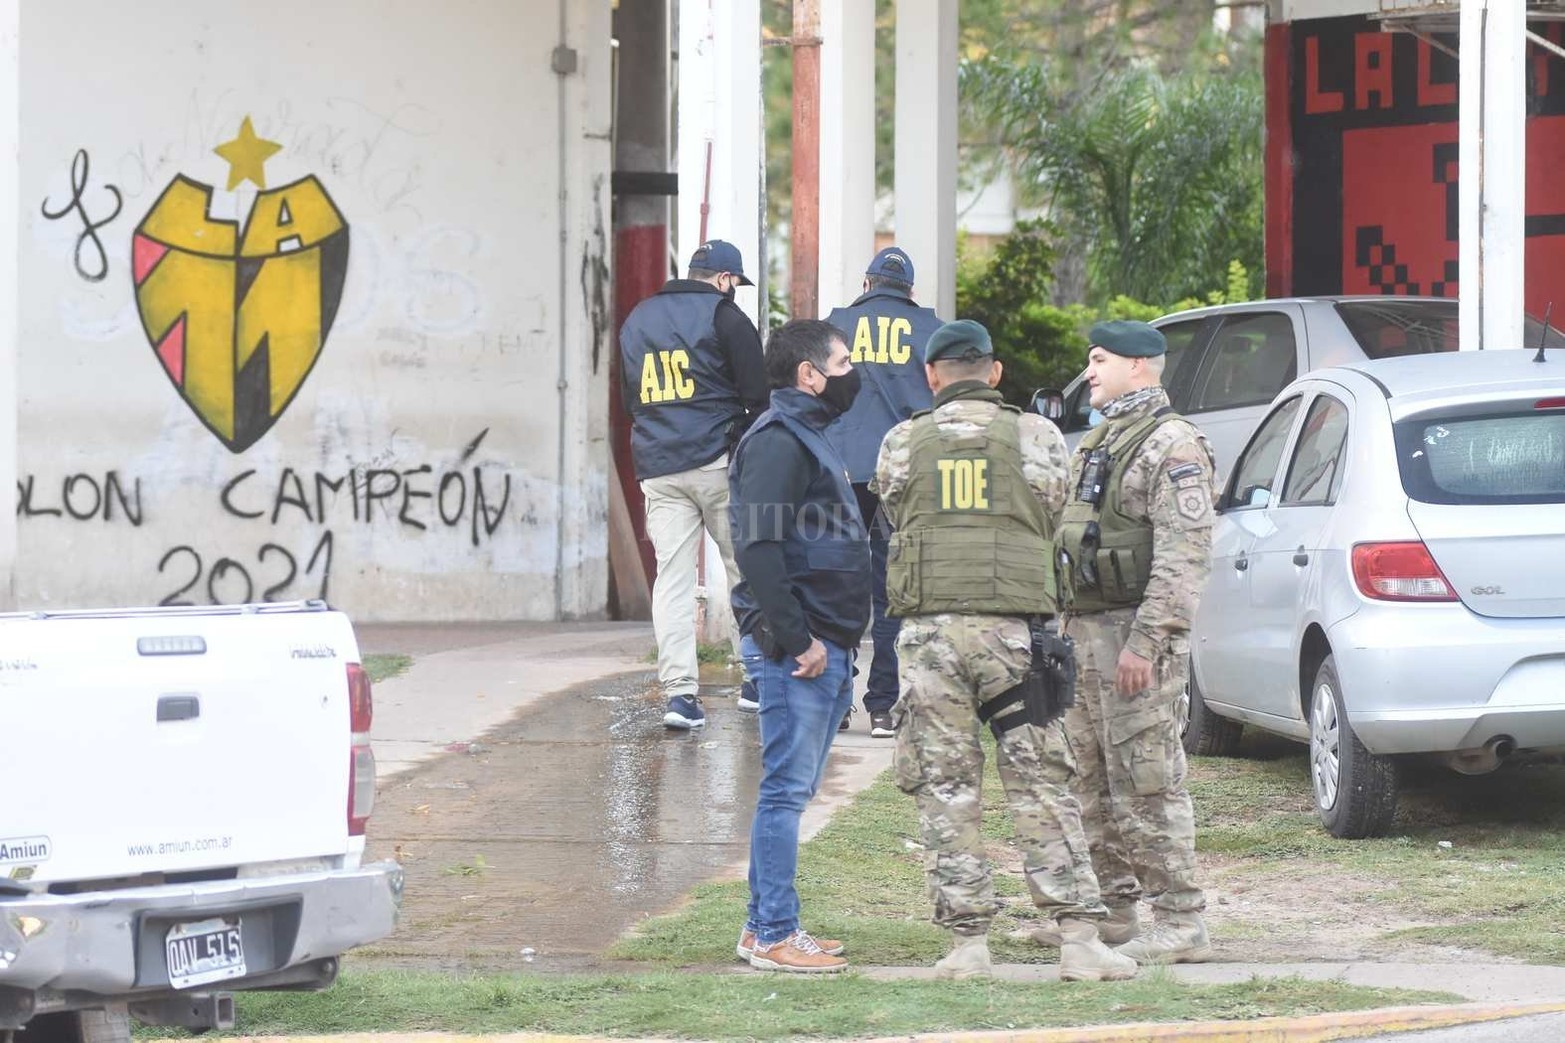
[
  {"x": 1203, "y": 732},
  {"x": 1355, "y": 791}
]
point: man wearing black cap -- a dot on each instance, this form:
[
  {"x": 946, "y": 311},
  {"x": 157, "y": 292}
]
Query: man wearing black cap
[
  {"x": 974, "y": 488},
  {"x": 692, "y": 379},
  {"x": 886, "y": 333},
  {"x": 1137, "y": 537}
]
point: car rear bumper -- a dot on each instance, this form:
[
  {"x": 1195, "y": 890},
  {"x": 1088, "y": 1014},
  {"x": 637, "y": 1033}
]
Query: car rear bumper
[
  {"x": 110, "y": 943},
  {"x": 1445, "y": 680}
]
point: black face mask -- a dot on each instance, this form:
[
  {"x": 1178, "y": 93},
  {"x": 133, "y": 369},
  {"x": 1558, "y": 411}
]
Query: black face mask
[
  {"x": 731, "y": 291},
  {"x": 841, "y": 390}
]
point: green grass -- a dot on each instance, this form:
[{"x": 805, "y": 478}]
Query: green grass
[
  {"x": 383, "y": 667},
  {"x": 1499, "y": 886},
  {"x": 766, "y": 1007},
  {"x": 861, "y": 879}
]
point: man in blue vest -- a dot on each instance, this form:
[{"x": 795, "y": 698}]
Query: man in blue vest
[
  {"x": 803, "y": 605},
  {"x": 886, "y": 333},
  {"x": 693, "y": 379}
]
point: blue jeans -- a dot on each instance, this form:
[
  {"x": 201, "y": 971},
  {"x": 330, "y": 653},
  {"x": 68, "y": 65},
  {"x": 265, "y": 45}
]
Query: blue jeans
[
  {"x": 798, "y": 720},
  {"x": 880, "y": 695}
]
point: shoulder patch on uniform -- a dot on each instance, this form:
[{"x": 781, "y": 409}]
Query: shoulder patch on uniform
[
  {"x": 1192, "y": 504},
  {"x": 1184, "y": 471}
]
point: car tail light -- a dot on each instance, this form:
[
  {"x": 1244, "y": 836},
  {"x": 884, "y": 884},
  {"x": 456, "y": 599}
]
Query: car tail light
[
  {"x": 1402, "y": 571},
  {"x": 361, "y": 757},
  {"x": 1549, "y": 403},
  {"x": 361, "y": 702},
  {"x": 361, "y": 788}
]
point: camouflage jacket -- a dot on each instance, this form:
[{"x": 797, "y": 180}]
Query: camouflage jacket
[
  {"x": 1172, "y": 482},
  {"x": 960, "y": 408}
]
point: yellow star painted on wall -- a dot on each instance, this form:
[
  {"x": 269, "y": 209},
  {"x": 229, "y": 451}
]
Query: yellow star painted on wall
[{"x": 247, "y": 156}]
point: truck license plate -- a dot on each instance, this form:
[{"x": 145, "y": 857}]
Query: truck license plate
[{"x": 204, "y": 951}]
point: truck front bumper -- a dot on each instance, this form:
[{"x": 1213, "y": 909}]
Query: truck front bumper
[{"x": 109, "y": 942}]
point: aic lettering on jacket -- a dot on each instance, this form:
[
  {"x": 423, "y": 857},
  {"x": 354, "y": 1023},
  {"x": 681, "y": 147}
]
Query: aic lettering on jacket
[
  {"x": 886, "y": 343},
  {"x": 665, "y": 377}
]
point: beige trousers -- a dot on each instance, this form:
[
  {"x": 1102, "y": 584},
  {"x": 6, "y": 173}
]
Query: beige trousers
[{"x": 680, "y": 508}]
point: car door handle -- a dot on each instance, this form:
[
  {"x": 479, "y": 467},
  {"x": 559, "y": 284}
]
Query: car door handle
[
  {"x": 1300, "y": 557},
  {"x": 179, "y": 708},
  {"x": 1241, "y": 563}
]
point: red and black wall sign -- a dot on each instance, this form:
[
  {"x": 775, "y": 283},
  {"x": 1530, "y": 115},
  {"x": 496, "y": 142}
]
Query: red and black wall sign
[{"x": 1361, "y": 160}]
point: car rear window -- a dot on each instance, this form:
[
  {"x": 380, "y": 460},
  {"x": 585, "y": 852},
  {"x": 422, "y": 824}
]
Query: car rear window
[
  {"x": 1388, "y": 328},
  {"x": 1510, "y": 457}
]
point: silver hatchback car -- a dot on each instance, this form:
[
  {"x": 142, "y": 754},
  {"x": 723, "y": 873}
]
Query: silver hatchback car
[{"x": 1388, "y": 575}]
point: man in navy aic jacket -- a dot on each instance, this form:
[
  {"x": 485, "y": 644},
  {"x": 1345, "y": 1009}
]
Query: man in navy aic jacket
[{"x": 885, "y": 332}]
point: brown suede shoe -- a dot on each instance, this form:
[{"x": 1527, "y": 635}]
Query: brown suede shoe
[
  {"x": 798, "y": 954},
  {"x": 746, "y": 945}
]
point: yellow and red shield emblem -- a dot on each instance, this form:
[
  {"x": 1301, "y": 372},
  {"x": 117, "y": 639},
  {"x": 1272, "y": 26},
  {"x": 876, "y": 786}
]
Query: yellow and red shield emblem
[{"x": 237, "y": 314}]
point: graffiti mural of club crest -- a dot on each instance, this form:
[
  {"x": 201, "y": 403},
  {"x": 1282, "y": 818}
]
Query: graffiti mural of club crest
[{"x": 237, "y": 313}]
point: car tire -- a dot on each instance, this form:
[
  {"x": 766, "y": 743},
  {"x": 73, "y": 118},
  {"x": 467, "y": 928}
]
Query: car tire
[
  {"x": 1355, "y": 790},
  {"x": 1203, "y": 732}
]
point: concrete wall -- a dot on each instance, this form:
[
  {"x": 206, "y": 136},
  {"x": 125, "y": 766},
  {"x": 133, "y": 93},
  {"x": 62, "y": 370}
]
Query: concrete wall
[{"x": 387, "y": 384}]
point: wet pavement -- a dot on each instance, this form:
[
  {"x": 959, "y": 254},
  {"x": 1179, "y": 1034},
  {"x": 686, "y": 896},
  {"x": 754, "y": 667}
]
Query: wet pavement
[{"x": 537, "y": 843}]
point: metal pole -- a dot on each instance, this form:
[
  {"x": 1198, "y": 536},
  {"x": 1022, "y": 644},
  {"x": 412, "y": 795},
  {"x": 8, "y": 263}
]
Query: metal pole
[{"x": 804, "y": 286}]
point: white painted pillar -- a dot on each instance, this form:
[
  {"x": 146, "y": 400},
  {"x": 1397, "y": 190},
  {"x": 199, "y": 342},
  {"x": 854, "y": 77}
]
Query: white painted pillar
[
  {"x": 10, "y": 274},
  {"x": 926, "y": 146},
  {"x": 1493, "y": 158},
  {"x": 720, "y": 104},
  {"x": 847, "y": 149}
]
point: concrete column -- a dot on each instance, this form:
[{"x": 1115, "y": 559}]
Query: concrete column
[
  {"x": 1493, "y": 156},
  {"x": 719, "y": 116},
  {"x": 926, "y": 146},
  {"x": 583, "y": 62},
  {"x": 10, "y": 320},
  {"x": 847, "y": 150},
  {"x": 721, "y": 166}
]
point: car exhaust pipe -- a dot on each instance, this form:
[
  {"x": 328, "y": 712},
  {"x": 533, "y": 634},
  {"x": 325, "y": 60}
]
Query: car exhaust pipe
[{"x": 1483, "y": 760}]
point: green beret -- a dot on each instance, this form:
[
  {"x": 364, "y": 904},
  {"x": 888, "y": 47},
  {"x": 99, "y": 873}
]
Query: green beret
[
  {"x": 961, "y": 339},
  {"x": 1135, "y": 340}
]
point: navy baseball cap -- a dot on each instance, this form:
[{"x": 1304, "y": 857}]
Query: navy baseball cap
[
  {"x": 892, "y": 263},
  {"x": 717, "y": 255}
]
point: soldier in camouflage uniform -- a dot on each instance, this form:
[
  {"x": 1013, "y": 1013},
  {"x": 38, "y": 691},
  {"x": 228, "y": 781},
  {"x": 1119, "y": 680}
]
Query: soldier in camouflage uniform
[
  {"x": 1137, "y": 535},
  {"x": 973, "y": 488}
]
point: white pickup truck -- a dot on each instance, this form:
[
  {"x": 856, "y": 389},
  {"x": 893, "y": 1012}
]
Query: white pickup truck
[{"x": 183, "y": 797}]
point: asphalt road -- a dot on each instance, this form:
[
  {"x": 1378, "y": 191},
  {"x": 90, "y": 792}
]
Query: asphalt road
[{"x": 1541, "y": 1028}]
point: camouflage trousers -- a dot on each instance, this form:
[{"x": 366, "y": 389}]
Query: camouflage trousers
[
  {"x": 950, "y": 665},
  {"x": 1131, "y": 763}
]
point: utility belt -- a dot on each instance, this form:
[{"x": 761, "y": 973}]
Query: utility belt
[{"x": 1048, "y": 690}]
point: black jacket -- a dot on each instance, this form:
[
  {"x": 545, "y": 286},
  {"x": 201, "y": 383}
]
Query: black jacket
[
  {"x": 798, "y": 537},
  {"x": 691, "y": 377}
]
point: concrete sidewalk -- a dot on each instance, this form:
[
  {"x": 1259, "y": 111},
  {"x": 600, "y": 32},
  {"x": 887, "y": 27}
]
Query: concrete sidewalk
[{"x": 469, "y": 680}]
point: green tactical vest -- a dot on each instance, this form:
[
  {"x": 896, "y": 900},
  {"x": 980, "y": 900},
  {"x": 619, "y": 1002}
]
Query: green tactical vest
[
  {"x": 1112, "y": 573},
  {"x": 970, "y": 535}
]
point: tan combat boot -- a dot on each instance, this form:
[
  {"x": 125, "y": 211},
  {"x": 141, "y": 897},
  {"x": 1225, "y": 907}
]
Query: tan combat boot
[
  {"x": 1120, "y": 926},
  {"x": 1172, "y": 938},
  {"x": 1084, "y": 957},
  {"x": 968, "y": 958}
]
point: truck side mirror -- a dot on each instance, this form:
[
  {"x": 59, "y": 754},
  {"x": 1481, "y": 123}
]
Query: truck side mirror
[{"x": 1047, "y": 402}]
